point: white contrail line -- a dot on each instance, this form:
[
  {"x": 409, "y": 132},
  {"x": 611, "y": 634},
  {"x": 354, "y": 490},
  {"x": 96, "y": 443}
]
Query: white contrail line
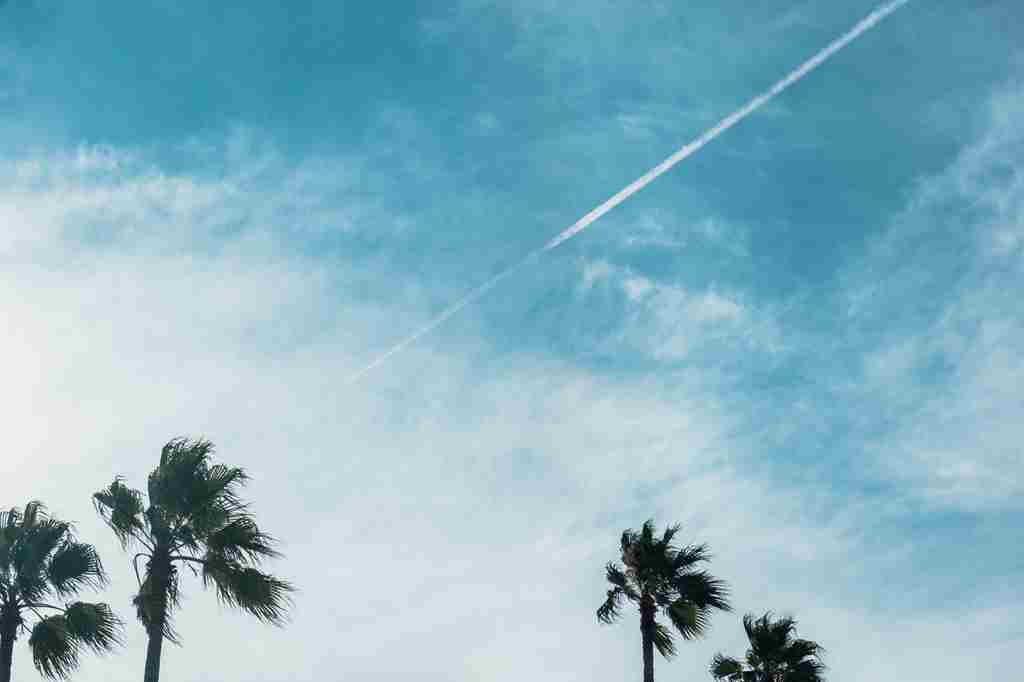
[
  {"x": 650, "y": 176},
  {"x": 445, "y": 314}
]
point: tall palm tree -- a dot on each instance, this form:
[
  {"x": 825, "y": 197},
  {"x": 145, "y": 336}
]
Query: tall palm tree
[
  {"x": 657, "y": 575},
  {"x": 194, "y": 518},
  {"x": 775, "y": 654},
  {"x": 40, "y": 560}
]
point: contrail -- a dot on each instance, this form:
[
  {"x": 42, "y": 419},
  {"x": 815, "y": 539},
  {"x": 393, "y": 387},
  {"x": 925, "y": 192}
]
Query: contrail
[{"x": 647, "y": 178}]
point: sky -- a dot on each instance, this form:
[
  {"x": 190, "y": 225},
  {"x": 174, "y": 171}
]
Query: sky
[{"x": 805, "y": 343}]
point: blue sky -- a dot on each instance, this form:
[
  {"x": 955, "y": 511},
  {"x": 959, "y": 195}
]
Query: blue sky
[{"x": 804, "y": 343}]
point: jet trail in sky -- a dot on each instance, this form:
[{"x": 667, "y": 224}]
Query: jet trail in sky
[{"x": 647, "y": 178}]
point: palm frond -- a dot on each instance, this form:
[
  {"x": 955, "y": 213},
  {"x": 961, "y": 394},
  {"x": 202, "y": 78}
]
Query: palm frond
[
  {"x": 663, "y": 641},
  {"x": 9, "y": 522},
  {"x": 628, "y": 538},
  {"x": 670, "y": 532},
  {"x": 750, "y": 624},
  {"x": 615, "y": 575},
  {"x": 74, "y": 565},
  {"x": 37, "y": 539},
  {"x": 610, "y": 610},
  {"x": 39, "y": 536},
  {"x": 193, "y": 496},
  {"x": 203, "y": 515},
  {"x": 810, "y": 670},
  {"x": 10, "y": 519},
  {"x": 769, "y": 636},
  {"x": 54, "y": 650},
  {"x": 176, "y": 483},
  {"x": 725, "y": 668},
  {"x": 261, "y": 594},
  {"x": 689, "y": 556},
  {"x": 620, "y": 579},
  {"x": 799, "y": 649},
  {"x": 782, "y": 630},
  {"x": 703, "y": 589},
  {"x": 690, "y": 620},
  {"x": 223, "y": 482},
  {"x": 121, "y": 508},
  {"x": 241, "y": 541},
  {"x": 93, "y": 625},
  {"x": 35, "y": 511}
]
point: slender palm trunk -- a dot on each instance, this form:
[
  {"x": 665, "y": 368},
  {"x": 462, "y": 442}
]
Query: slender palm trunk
[
  {"x": 647, "y": 609},
  {"x": 6, "y": 657},
  {"x": 159, "y": 578},
  {"x": 153, "y": 649},
  {"x": 8, "y": 632}
]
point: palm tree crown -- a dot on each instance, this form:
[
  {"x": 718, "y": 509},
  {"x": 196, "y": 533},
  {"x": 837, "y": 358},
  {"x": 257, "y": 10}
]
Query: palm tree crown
[
  {"x": 775, "y": 654},
  {"x": 658, "y": 576},
  {"x": 40, "y": 561},
  {"x": 194, "y": 518}
]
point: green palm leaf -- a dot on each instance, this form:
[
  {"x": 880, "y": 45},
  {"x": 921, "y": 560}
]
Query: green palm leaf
[
  {"x": 57, "y": 640},
  {"x": 725, "y": 668},
  {"x": 663, "y": 642},
  {"x": 53, "y": 649},
  {"x": 93, "y": 625},
  {"x": 610, "y": 610},
  {"x": 775, "y": 653},
  {"x": 73, "y": 566},
  {"x": 121, "y": 508},
  {"x": 240, "y": 540},
  {"x": 262, "y": 595}
]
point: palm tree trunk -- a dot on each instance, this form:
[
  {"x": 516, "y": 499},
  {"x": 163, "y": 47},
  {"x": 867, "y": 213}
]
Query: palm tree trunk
[
  {"x": 153, "y": 649},
  {"x": 647, "y": 608},
  {"x": 156, "y": 606},
  {"x": 8, "y": 632}
]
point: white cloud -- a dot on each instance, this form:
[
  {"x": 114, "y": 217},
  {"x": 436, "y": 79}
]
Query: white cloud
[
  {"x": 594, "y": 272},
  {"x": 944, "y": 287},
  {"x": 665, "y": 232},
  {"x": 458, "y": 516},
  {"x": 637, "y": 288},
  {"x": 669, "y": 322},
  {"x": 712, "y": 306}
]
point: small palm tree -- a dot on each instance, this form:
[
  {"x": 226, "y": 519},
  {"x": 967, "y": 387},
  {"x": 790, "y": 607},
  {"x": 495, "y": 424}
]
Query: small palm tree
[
  {"x": 194, "y": 518},
  {"x": 775, "y": 654},
  {"x": 40, "y": 559},
  {"x": 656, "y": 575}
]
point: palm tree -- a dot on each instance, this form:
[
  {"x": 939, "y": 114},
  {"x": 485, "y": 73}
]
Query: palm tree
[
  {"x": 775, "y": 654},
  {"x": 40, "y": 559},
  {"x": 657, "y": 575},
  {"x": 194, "y": 518}
]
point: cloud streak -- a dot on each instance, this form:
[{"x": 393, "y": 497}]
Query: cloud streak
[
  {"x": 514, "y": 482},
  {"x": 687, "y": 150}
]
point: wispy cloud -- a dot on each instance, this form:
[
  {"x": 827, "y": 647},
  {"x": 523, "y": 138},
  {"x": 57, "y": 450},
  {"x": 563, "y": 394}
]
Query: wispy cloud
[
  {"x": 624, "y": 194},
  {"x": 669, "y": 322},
  {"x": 468, "y": 510},
  {"x": 939, "y": 294}
]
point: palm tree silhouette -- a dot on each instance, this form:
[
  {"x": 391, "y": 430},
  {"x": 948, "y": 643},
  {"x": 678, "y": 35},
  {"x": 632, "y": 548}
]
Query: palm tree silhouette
[
  {"x": 655, "y": 576},
  {"x": 775, "y": 654},
  {"x": 40, "y": 559},
  {"x": 196, "y": 519}
]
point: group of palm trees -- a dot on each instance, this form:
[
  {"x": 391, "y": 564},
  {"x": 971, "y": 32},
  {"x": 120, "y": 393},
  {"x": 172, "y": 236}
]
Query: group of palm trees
[
  {"x": 192, "y": 517},
  {"x": 657, "y": 576}
]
